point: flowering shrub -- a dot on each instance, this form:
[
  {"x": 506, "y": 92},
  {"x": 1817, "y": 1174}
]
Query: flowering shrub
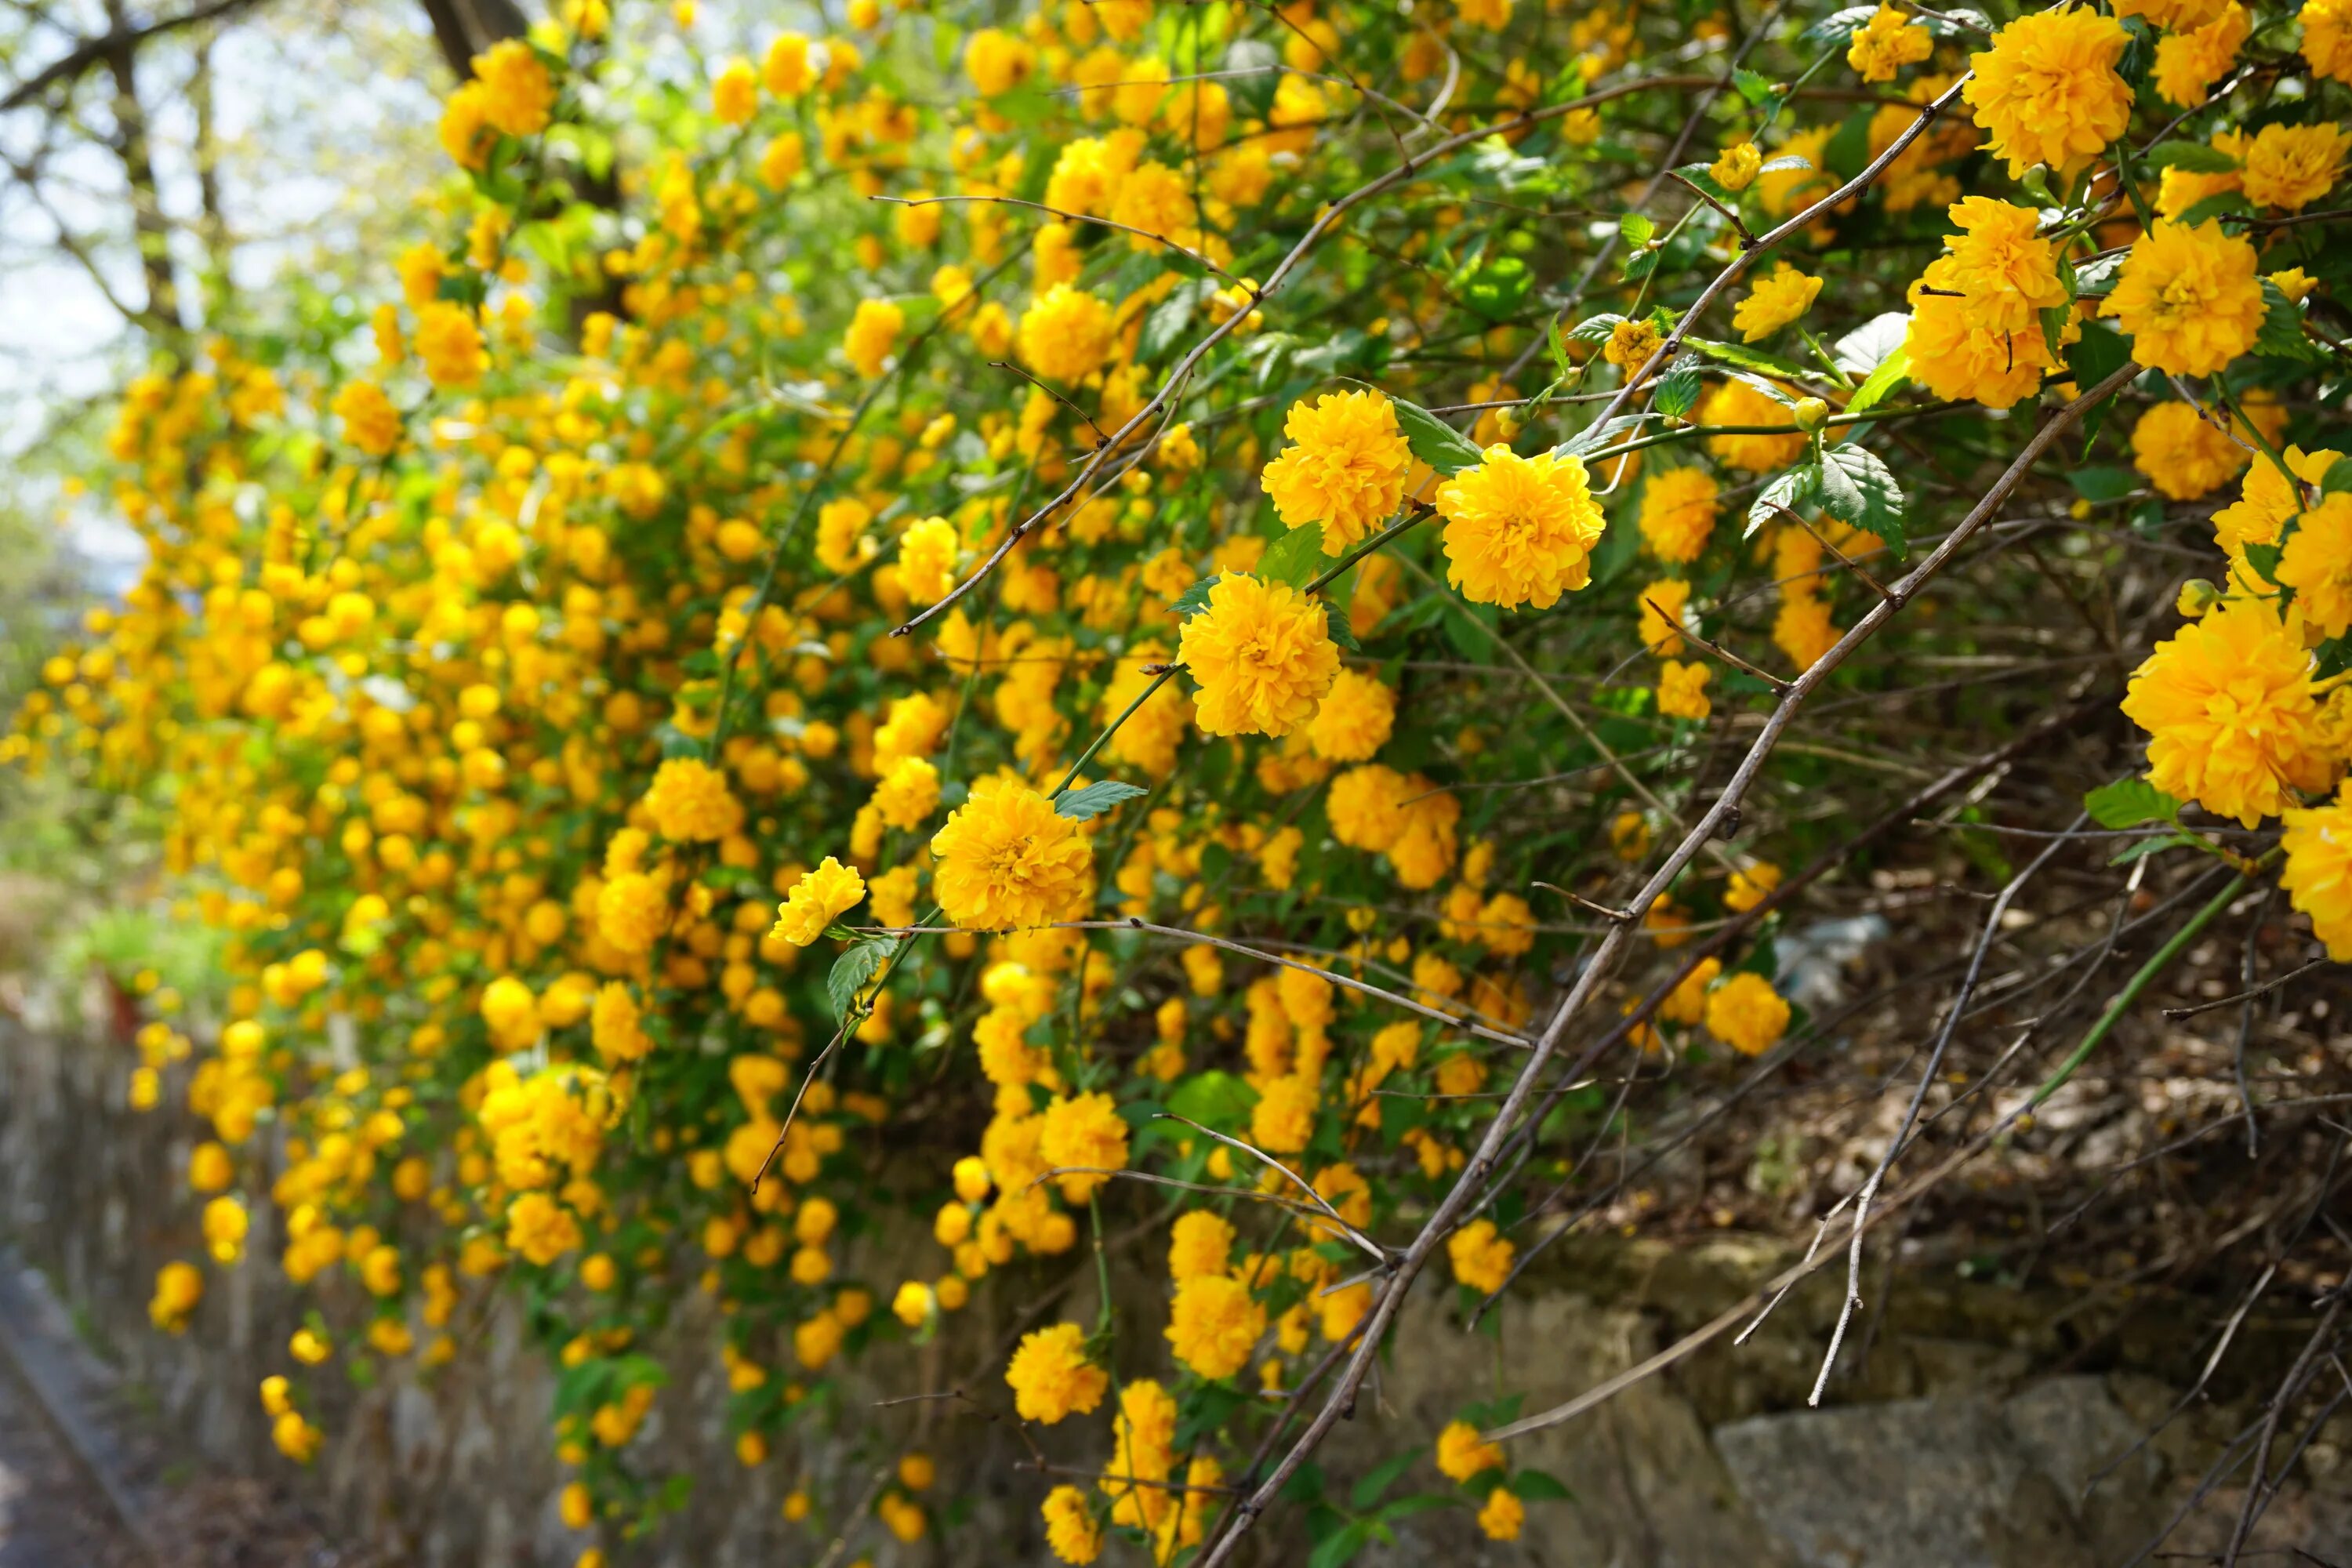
[{"x": 1011, "y": 589}]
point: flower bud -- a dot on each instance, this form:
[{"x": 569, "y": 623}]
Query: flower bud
[
  {"x": 1812, "y": 414},
  {"x": 2197, "y": 596}
]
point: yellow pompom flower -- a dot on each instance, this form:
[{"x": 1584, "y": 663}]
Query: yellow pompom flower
[
  {"x": 2328, "y": 37},
  {"x": 1682, "y": 689},
  {"x": 690, "y": 802},
  {"x": 2047, "y": 92},
  {"x": 786, "y": 69},
  {"x": 997, "y": 61},
  {"x": 1066, "y": 333},
  {"x": 1354, "y": 720},
  {"x": 1006, "y": 858},
  {"x": 1519, "y": 530},
  {"x": 449, "y": 345},
  {"x": 1071, "y": 1530},
  {"x": 1215, "y": 1324},
  {"x": 1503, "y": 1515},
  {"x": 1346, "y": 466},
  {"x": 1775, "y": 302},
  {"x": 465, "y": 132},
  {"x": 370, "y": 421},
  {"x": 2317, "y": 564},
  {"x": 1461, "y": 1456},
  {"x": 1677, "y": 516},
  {"x": 1663, "y": 604},
  {"x": 1976, "y": 311},
  {"x": 1263, "y": 655},
  {"x": 926, "y": 560},
  {"x": 2189, "y": 63},
  {"x": 179, "y": 1287},
  {"x": 1481, "y": 1255},
  {"x": 873, "y": 331},
  {"x": 2183, "y": 455},
  {"x": 517, "y": 95},
  {"x": 1746, "y": 1014},
  {"x": 1050, "y": 1376},
  {"x": 2189, "y": 297},
  {"x": 2318, "y": 873},
  {"x": 540, "y": 1229},
  {"x": 735, "y": 96},
  {"x": 1734, "y": 401},
  {"x": 2290, "y": 166},
  {"x": 1086, "y": 1134},
  {"x": 1200, "y": 1243},
  {"x": 1630, "y": 344},
  {"x": 907, "y": 794},
  {"x": 1886, "y": 43},
  {"x": 820, "y": 898},
  {"x": 1737, "y": 166},
  {"x": 2232, "y": 713}
]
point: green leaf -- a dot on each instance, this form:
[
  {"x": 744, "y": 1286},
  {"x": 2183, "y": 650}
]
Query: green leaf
[
  {"x": 1593, "y": 437},
  {"x": 1786, "y": 163},
  {"x": 1214, "y": 1098},
  {"x": 1883, "y": 382},
  {"x": 2128, "y": 803},
  {"x": 1434, "y": 441},
  {"x": 1852, "y": 475},
  {"x": 1594, "y": 329},
  {"x": 2282, "y": 330},
  {"x": 1296, "y": 558},
  {"x": 1636, "y": 228},
  {"x": 1793, "y": 490},
  {"x": 1754, "y": 86},
  {"x": 1702, "y": 175},
  {"x": 2337, "y": 480},
  {"x": 1334, "y": 1550},
  {"x": 1085, "y": 804},
  {"x": 853, "y": 972},
  {"x": 2196, "y": 157},
  {"x": 1335, "y": 616},
  {"x": 1677, "y": 390},
  {"x": 1835, "y": 28},
  {"x": 1167, "y": 322},
  {"x": 1495, "y": 288},
  {"x": 2222, "y": 204},
  {"x": 1871, "y": 344},
  {"x": 2096, "y": 356},
  {"x": 2103, "y": 484},
  {"x": 1194, "y": 599},
  {"x": 2147, "y": 847},
  {"x": 1746, "y": 358},
  {"x": 1369, "y": 1488},
  {"x": 2054, "y": 328},
  {"x": 1535, "y": 1486}
]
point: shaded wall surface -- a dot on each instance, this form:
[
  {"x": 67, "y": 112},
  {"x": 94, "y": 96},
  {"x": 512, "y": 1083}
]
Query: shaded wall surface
[{"x": 1987, "y": 1428}]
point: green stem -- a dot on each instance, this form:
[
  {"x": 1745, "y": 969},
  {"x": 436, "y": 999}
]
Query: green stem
[
  {"x": 2156, "y": 964},
  {"x": 1366, "y": 548},
  {"x": 1087, "y": 755}
]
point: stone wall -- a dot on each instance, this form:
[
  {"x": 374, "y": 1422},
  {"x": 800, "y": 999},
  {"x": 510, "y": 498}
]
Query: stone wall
[{"x": 1968, "y": 1438}]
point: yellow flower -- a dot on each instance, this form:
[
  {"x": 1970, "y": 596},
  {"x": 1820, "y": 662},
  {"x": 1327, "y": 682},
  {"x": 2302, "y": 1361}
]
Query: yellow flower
[
  {"x": 1735, "y": 169},
  {"x": 842, "y": 543},
  {"x": 907, "y": 794},
  {"x": 2189, "y": 63},
  {"x": 1734, "y": 401},
  {"x": 2189, "y": 297},
  {"x": 2290, "y": 166},
  {"x": 1066, "y": 333},
  {"x": 785, "y": 70},
  {"x": 1492, "y": 14},
  {"x": 1481, "y": 1255},
  {"x": 1677, "y": 515},
  {"x": 1461, "y": 1456},
  {"x": 1354, "y": 720},
  {"x": 449, "y": 345},
  {"x": 1344, "y": 469},
  {"x": 1201, "y": 1243},
  {"x": 2183, "y": 456},
  {"x": 997, "y": 61},
  {"x": 2232, "y": 712},
  {"x": 1263, "y": 655},
  {"x": 1151, "y": 734},
  {"x": 1366, "y": 807},
  {"x": 1071, "y": 1530},
  {"x": 1682, "y": 689},
  {"x": 1886, "y": 43},
  {"x": 1630, "y": 344},
  {"x": 370, "y": 421},
  {"x": 735, "y": 96},
  {"x": 517, "y": 96},
  {"x": 1750, "y": 887},
  {"x": 1746, "y": 1014},
  {"x": 465, "y": 132},
  {"x": 690, "y": 802},
  {"x": 633, "y": 912},
  {"x": 1976, "y": 311},
  {"x": 873, "y": 331},
  {"x": 1215, "y": 1324},
  {"x": 1006, "y": 858},
  {"x": 1051, "y": 1377},
  {"x": 820, "y": 898},
  {"x": 2267, "y": 501},
  {"x": 540, "y": 1229},
  {"x": 179, "y": 1287},
  {"x": 926, "y": 560},
  {"x": 2319, "y": 872},
  {"x": 2317, "y": 564},
  {"x": 1503, "y": 1515},
  {"x": 1519, "y": 530},
  {"x": 2328, "y": 37},
  {"x": 1086, "y": 1133},
  {"x": 2047, "y": 92},
  {"x": 1663, "y": 606},
  {"x": 1776, "y": 301}
]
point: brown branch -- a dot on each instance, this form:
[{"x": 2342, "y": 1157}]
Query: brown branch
[{"x": 90, "y": 53}]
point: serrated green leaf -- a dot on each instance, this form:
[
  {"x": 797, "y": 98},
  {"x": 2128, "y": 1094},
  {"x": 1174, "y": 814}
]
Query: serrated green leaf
[
  {"x": 1637, "y": 229},
  {"x": 1702, "y": 177},
  {"x": 1194, "y": 599},
  {"x": 2147, "y": 847},
  {"x": 1594, "y": 437},
  {"x": 1677, "y": 390},
  {"x": 853, "y": 972},
  {"x": 2128, "y": 803},
  {"x": 2337, "y": 480},
  {"x": 1434, "y": 441},
  {"x": 1296, "y": 558},
  {"x": 1167, "y": 322},
  {"x": 1594, "y": 329},
  {"x": 1882, "y": 383},
  {"x": 1787, "y": 163},
  {"x": 2196, "y": 157},
  {"x": 1852, "y": 474},
  {"x": 1866, "y": 347},
  {"x": 1793, "y": 490},
  {"x": 1085, "y": 804},
  {"x": 1335, "y": 616},
  {"x": 2282, "y": 330},
  {"x": 1754, "y": 86},
  {"x": 2103, "y": 484},
  {"x": 1214, "y": 1098},
  {"x": 2213, "y": 207}
]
